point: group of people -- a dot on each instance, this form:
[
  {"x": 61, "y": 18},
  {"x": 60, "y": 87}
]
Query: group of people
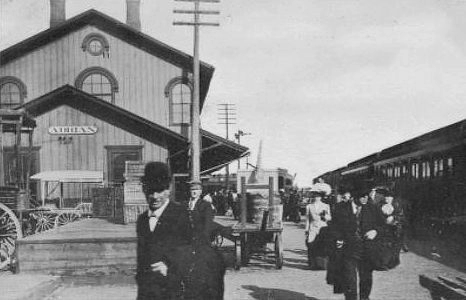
[
  {"x": 224, "y": 202},
  {"x": 352, "y": 237},
  {"x": 175, "y": 259},
  {"x": 290, "y": 201}
]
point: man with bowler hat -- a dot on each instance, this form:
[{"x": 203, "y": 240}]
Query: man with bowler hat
[
  {"x": 355, "y": 228},
  {"x": 162, "y": 232}
]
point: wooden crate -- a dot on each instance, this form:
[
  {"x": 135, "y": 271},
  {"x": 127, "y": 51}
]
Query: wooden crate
[
  {"x": 134, "y": 170},
  {"x": 132, "y": 211},
  {"x": 132, "y": 193}
]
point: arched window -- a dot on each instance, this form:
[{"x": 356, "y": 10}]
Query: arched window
[
  {"x": 179, "y": 92},
  {"x": 98, "y": 82},
  {"x": 12, "y": 92}
]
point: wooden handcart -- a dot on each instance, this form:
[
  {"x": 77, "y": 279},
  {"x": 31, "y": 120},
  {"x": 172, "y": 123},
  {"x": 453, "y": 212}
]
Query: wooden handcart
[{"x": 254, "y": 237}]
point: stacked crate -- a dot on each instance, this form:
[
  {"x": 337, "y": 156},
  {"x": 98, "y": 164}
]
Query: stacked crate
[{"x": 134, "y": 199}]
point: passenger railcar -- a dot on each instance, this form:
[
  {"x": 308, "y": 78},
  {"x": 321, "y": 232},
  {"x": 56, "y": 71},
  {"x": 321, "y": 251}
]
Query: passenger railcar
[{"x": 429, "y": 171}]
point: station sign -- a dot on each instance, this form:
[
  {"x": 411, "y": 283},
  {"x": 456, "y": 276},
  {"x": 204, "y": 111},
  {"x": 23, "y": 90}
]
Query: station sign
[{"x": 72, "y": 130}]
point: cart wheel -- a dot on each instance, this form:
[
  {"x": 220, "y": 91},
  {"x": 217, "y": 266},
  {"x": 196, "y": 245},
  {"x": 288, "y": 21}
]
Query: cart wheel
[
  {"x": 238, "y": 253},
  {"x": 44, "y": 221},
  {"x": 278, "y": 251},
  {"x": 66, "y": 217},
  {"x": 244, "y": 249},
  {"x": 10, "y": 231}
]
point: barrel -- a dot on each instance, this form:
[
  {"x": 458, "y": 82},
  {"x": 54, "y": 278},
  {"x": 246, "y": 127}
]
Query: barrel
[{"x": 258, "y": 207}]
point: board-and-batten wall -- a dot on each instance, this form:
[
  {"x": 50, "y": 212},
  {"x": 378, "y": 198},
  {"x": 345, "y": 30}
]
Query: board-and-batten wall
[{"x": 141, "y": 77}]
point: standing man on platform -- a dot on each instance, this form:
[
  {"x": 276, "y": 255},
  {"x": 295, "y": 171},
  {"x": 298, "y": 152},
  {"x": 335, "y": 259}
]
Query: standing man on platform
[
  {"x": 203, "y": 268},
  {"x": 162, "y": 231},
  {"x": 355, "y": 227},
  {"x": 201, "y": 215}
]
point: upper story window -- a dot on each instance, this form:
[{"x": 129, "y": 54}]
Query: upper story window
[
  {"x": 98, "y": 82},
  {"x": 95, "y": 44},
  {"x": 12, "y": 92},
  {"x": 179, "y": 92}
]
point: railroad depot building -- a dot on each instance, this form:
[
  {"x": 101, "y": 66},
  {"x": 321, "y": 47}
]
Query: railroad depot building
[{"x": 103, "y": 93}]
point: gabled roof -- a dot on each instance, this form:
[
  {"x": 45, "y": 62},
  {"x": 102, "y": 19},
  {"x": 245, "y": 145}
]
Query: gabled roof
[
  {"x": 216, "y": 151},
  {"x": 117, "y": 29}
]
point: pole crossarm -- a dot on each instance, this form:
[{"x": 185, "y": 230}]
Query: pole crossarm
[
  {"x": 206, "y": 1},
  {"x": 202, "y": 12},
  {"x": 196, "y": 23}
]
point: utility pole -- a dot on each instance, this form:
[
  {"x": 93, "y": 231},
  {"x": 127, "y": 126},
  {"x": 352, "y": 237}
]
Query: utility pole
[
  {"x": 227, "y": 117},
  {"x": 238, "y": 136},
  {"x": 195, "y": 140}
]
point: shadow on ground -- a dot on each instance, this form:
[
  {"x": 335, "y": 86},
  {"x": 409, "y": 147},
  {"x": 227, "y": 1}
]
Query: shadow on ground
[
  {"x": 275, "y": 294},
  {"x": 443, "y": 251}
]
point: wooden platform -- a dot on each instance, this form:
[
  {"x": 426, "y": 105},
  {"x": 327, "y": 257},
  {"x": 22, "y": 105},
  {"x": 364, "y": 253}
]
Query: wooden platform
[{"x": 87, "y": 243}]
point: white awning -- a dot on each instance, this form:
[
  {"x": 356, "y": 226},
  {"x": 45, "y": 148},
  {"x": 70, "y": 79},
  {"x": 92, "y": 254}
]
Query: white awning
[{"x": 70, "y": 176}]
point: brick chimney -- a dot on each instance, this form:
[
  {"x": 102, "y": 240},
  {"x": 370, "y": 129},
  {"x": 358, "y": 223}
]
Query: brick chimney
[
  {"x": 57, "y": 12},
  {"x": 133, "y": 14}
]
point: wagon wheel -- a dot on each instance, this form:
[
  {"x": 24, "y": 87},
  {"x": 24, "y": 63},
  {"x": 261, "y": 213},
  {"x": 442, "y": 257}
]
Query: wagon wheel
[
  {"x": 45, "y": 220},
  {"x": 278, "y": 251},
  {"x": 238, "y": 253},
  {"x": 10, "y": 231},
  {"x": 66, "y": 217}
]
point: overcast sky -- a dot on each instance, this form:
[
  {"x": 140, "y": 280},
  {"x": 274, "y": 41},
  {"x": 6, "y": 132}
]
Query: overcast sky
[{"x": 321, "y": 82}]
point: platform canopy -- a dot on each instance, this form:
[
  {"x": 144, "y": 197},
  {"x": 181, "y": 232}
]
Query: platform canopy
[{"x": 70, "y": 176}]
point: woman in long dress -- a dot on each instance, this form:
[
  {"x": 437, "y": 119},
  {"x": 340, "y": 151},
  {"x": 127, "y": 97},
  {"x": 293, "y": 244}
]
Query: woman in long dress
[
  {"x": 317, "y": 218},
  {"x": 393, "y": 214}
]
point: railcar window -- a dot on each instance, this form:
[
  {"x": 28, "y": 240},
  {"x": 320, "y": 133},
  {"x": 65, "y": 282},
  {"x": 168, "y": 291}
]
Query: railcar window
[
  {"x": 404, "y": 170},
  {"x": 438, "y": 168},
  {"x": 415, "y": 170},
  {"x": 450, "y": 166},
  {"x": 425, "y": 170}
]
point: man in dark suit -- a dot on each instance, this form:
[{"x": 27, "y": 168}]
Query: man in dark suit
[
  {"x": 355, "y": 227},
  {"x": 204, "y": 268},
  {"x": 201, "y": 215},
  {"x": 161, "y": 233}
]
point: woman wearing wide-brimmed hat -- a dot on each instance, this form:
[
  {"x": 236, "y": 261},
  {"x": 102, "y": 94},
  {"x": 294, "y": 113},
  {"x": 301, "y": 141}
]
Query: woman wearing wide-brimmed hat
[{"x": 317, "y": 218}]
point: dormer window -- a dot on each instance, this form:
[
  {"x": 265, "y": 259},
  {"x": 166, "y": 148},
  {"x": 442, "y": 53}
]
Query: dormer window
[
  {"x": 95, "y": 44},
  {"x": 12, "y": 92}
]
